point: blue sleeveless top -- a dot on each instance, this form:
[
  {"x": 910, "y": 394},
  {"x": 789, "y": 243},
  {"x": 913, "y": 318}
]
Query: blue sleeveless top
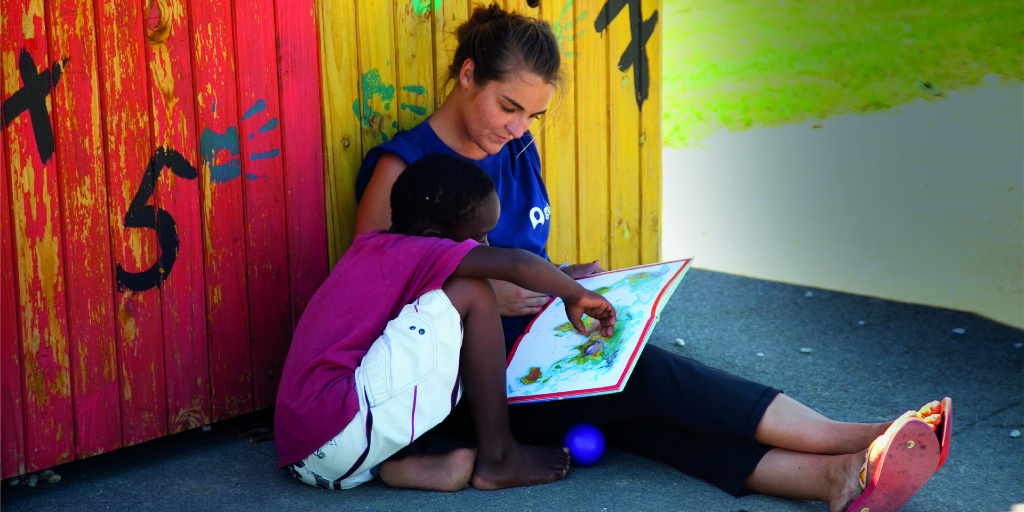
[{"x": 525, "y": 211}]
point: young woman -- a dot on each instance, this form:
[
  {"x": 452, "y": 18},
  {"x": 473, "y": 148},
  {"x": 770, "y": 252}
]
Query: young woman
[{"x": 737, "y": 434}]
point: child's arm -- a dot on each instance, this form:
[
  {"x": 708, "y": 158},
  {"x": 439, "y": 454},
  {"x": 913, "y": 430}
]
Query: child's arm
[{"x": 532, "y": 272}]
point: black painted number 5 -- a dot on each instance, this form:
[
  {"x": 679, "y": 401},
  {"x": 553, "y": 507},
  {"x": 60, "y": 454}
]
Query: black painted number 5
[{"x": 142, "y": 215}]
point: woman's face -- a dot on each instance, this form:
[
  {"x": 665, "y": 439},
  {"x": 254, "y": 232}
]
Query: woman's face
[{"x": 501, "y": 111}]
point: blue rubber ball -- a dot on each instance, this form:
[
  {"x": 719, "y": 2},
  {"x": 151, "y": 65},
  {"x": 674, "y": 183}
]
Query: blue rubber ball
[{"x": 585, "y": 443}]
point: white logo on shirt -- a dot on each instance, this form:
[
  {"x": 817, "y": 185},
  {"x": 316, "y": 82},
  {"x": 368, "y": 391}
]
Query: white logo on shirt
[{"x": 538, "y": 216}]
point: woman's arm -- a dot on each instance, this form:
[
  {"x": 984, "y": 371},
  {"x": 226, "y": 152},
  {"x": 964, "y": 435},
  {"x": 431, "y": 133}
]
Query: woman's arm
[{"x": 375, "y": 207}]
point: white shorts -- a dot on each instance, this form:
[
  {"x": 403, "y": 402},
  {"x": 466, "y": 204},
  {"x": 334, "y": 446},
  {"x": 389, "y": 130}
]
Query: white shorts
[{"x": 407, "y": 383}]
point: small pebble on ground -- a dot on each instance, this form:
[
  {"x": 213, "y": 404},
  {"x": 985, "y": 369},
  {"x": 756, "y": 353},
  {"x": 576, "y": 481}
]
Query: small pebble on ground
[
  {"x": 860, "y": 322},
  {"x": 1015, "y": 433},
  {"x": 680, "y": 342},
  {"x": 959, "y": 330},
  {"x": 809, "y": 294},
  {"x": 806, "y": 350},
  {"x": 760, "y": 354}
]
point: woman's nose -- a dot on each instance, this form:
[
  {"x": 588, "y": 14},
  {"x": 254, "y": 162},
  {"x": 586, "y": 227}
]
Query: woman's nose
[{"x": 518, "y": 126}]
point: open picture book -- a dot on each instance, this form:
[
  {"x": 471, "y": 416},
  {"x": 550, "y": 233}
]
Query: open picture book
[{"x": 550, "y": 361}]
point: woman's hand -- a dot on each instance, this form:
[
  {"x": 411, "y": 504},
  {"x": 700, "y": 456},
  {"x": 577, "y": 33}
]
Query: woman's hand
[
  {"x": 578, "y": 270},
  {"x": 596, "y": 307},
  {"x": 516, "y": 301}
]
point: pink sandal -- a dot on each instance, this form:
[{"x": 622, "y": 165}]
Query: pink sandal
[
  {"x": 945, "y": 430},
  {"x": 908, "y": 460}
]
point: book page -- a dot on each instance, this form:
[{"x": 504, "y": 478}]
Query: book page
[{"x": 552, "y": 361}]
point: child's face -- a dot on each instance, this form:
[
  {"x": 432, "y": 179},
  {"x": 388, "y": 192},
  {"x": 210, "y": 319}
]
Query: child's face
[{"x": 477, "y": 227}]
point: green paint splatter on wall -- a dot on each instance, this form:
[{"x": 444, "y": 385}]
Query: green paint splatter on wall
[
  {"x": 415, "y": 109},
  {"x": 564, "y": 29},
  {"x": 415, "y": 89},
  {"x": 422, "y": 6},
  {"x": 211, "y": 143},
  {"x": 373, "y": 86}
]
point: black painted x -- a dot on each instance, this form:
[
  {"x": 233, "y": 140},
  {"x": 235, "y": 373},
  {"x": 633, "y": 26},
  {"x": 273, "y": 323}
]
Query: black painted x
[
  {"x": 32, "y": 97},
  {"x": 635, "y": 55}
]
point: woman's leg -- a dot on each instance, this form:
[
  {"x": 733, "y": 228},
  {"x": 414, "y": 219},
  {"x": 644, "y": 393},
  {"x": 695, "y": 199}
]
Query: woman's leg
[
  {"x": 833, "y": 479},
  {"x": 789, "y": 424}
]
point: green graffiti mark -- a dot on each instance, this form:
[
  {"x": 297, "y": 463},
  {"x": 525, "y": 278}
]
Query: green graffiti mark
[
  {"x": 422, "y": 6},
  {"x": 211, "y": 143},
  {"x": 564, "y": 29},
  {"x": 415, "y": 89},
  {"x": 373, "y": 86},
  {"x": 415, "y": 109}
]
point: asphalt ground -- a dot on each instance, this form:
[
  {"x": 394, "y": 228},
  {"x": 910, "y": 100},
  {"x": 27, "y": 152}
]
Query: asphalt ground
[{"x": 871, "y": 360}]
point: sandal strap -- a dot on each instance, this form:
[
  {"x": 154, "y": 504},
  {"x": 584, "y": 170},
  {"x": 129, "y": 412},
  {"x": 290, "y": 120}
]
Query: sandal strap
[{"x": 864, "y": 472}]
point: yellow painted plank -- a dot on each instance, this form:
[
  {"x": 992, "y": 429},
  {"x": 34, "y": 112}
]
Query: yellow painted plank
[
  {"x": 538, "y": 126},
  {"x": 624, "y": 144},
  {"x": 375, "y": 33},
  {"x": 558, "y": 136},
  {"x": 447, "y": 18},
  {"x": 650, "y": 141},
  {"x": 415, "y": 43},
  {"x": 592, "y": 123},
  {"x": 339, "y": 72}
]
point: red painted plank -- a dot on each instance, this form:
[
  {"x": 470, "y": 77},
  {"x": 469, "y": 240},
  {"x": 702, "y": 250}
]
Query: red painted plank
[
  {"x": 86, "y": 235},
  {"x": 227, "y": 305},
  {"x": 36, "y": 228},
  {"x": 12, "y": 426},
  {"x": 133, "y": 220},
  {"x": 266, "y": 236},
  {"x": 186, "y": 361},
  {"x": 302, "y": 137}
]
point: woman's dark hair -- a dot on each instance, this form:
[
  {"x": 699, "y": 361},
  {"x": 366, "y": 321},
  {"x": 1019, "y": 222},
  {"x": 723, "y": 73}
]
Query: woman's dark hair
[
  {"x": 438, "y": 190},
  {"x": 502, "y": 44}
]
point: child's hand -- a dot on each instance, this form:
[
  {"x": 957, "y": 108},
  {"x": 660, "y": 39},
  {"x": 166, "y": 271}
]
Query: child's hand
[{"x": 596, "y": 307}]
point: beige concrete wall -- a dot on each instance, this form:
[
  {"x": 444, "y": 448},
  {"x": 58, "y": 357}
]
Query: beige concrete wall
[{"x": 922, "y": 204}]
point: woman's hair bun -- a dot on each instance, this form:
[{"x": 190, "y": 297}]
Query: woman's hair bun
[{"x": 491, "y": 13}]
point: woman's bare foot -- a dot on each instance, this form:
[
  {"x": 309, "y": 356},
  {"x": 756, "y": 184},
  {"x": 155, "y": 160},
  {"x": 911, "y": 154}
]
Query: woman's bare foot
[
  {"x": 853, "y": 482},
  {"x": 931, "y": 413},
  {"x": 849, "y": 480},
  {"x": 519, "y": 466},
  {"x": 431, "y": 472}
]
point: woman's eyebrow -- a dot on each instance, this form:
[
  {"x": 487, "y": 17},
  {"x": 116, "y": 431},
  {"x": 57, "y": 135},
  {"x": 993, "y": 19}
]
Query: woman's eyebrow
[{"x": 520, "y": 107}]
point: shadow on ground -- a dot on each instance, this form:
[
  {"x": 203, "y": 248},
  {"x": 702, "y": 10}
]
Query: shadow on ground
[{"x": 871, "y": 360}]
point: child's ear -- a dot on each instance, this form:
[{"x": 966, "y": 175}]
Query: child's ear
[{"x": 431, "y": 232}]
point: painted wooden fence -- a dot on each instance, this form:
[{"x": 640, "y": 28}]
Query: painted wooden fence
[
  {"x": 383, "y": 65},
  {"x": 179, "y": 178},
  {"x": 163, "y": 216}
]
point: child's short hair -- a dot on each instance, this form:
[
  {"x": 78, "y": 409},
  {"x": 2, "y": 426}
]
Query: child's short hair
[{"x": 440, "y": 190}]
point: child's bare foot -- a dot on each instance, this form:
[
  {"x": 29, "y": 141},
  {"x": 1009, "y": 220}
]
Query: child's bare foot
[
  {"x": 431, "y": 472},
  {"x": 520, "y": 466}
]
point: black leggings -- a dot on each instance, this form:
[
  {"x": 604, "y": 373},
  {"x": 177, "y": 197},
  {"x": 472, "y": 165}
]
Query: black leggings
[{"x": 695, "y": 418}]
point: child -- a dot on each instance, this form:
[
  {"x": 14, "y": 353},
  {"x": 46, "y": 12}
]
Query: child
[{"x": 403, "y": 326}]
